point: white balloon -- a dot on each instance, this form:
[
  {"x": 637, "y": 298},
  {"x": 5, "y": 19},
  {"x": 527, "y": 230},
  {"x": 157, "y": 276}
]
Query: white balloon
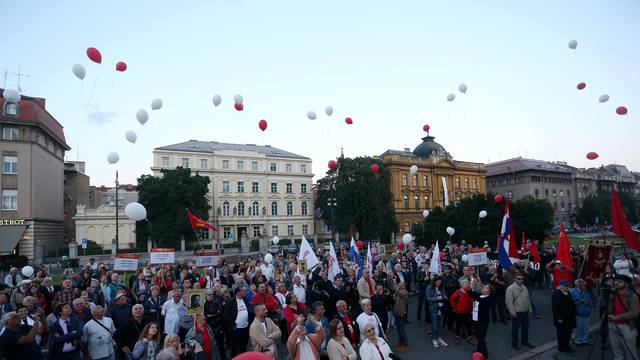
[
  {"x": 156, "y": 104},
  {"x": 311, "y": 115},
  {"x": 482, "y": 214},
  {"x": 131, "y": 136},
  {"x": 113, "y": 157},
  {"x": 407, "y": 238},
  {"x": 238, "y": 99},
  {"x": 142, "y": 116},
  {"x": 465, "y": 258},
  {"x": 11, "y": 95},
  {"x": 463, "y": 88},
  {"x": 328, "y": 110},
  {"x": 413, "y": 169},
  {"x": 450, "y": 231},
  {"x": 275, "y": 240},
  {"x": 451, "y": 97},
  {"x": 268, "y": 258},
  {"x": 79, "y": 71},
  {"x": 135, "y": 211},
  {"x": 27, "y": 271},
  {"x": 217, "y": 100},
  {"x": 604, "y": 98},
  {"x": 425, "y": 214},
  {"x": 573, "y": 44}
]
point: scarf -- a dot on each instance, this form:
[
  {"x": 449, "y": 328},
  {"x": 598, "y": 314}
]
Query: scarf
[
  {"x": 206, "y": 342},
  {"x": 370, "y": 286}
]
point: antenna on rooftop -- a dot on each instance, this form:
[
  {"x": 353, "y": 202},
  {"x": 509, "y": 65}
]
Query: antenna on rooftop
[{"x": 18, "y": 75}]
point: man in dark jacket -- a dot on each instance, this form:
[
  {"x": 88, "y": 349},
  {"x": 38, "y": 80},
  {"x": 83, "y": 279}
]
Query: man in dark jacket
[
  {"x": 66, "y": 334},
  {"x": 213, "y": 311},
  {"x": 351, "y": 328},
  {"x": 127, "y": 335},
  {"x": 119, "y": 310},
  {"x": 236, "y": 319},
  {"x": 564, "y": 315}
]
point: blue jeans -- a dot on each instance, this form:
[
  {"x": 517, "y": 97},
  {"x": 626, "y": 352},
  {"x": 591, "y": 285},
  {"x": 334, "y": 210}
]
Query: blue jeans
[
  {"x": 436, "y": 324},
  {"x": 402, "y": 331},
  {"x": 520, "y": 322},
  {"x": 582, "y": 330},
  {"x": 533, "y": 305}
]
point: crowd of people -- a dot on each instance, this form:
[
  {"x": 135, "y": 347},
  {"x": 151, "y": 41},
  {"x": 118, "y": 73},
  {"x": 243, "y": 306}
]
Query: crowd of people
[{"x": 270, "y": 304}]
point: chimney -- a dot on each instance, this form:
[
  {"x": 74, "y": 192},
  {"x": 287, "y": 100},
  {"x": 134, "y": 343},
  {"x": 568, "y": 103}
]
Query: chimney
[{"x": 407, "y": 149}]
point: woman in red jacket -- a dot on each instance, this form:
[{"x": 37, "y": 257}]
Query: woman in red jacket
[
  {"x": 462, "y": 305},
  {"x": 293, "y": 310}
]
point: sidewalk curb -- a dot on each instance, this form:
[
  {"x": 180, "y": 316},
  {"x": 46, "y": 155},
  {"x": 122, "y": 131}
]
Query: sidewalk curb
[{"x": 539, "y": 350}]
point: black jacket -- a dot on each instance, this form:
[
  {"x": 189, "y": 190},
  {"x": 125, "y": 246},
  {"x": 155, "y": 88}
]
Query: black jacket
[
  {"x": 354, "y": 327},
  {"x": 58, "y": 338},
  {"x": 128, "y": 334},
  {"x": 214, "y": 312},
  {"x": 231, "y": 312},
  {"x": 563, "y": 309}
]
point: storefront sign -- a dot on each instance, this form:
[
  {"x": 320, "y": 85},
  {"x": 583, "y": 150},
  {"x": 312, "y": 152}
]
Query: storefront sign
[{"x": 12, "y": 222}]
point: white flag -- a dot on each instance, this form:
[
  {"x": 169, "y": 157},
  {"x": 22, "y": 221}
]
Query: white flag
[
  {"x": 435, "y": 266},
  {"x": 369, "y": 259},
  {"x": 334, "y": 268},
  {"x": 446, "y": 192},
  {"x": 306, "y": 253}
]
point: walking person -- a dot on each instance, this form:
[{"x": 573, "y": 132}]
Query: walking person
[
  {"x": 519, "y": 305},
  {"x": 584, "y": 306},
  {"x": 480, "y": 317},
  {"x": 623, "y": 310},
  {"x": 564, "y": 318}
]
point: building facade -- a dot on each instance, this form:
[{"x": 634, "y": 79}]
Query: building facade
[
  {"x": 588, "y": 181},
  {"x": 76, "y": 191},
  {"x": 31, "y": 183},
  {"x": 99, "y": 225},
  {"x": 256, "y": 192},
  {"x": 412, "y": 194}
]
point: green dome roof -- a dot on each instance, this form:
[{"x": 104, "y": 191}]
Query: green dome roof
[{"x": 429, "y": 147}]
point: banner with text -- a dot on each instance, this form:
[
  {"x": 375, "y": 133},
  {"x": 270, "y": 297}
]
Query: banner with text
[
  {"x": 125, "y": 262},
  {"x": 207, "y": 258},
  {"x": 162, "y": 256},
  {"x": 477, "y": 256}
]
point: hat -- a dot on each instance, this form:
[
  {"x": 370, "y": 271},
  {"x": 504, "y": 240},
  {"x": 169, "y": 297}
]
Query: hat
[
  {"x": 623, "y": 277},
  {"x": 119, "y": 296},
  {"x": 25, "y": 281},
  {"x": 563, "y": 283}
]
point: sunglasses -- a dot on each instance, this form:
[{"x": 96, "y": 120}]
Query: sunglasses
[
  {"x": 519, "y": 278},
  {"x": 370, "y": 330}
]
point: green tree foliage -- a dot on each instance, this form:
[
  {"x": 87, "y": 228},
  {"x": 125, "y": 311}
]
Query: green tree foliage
[
  {"x": 363, "y": 198},
  {"x": 598, "y": 205},
  {"x": 532, "y": 216},
  {"x": 166, "y": 199}
]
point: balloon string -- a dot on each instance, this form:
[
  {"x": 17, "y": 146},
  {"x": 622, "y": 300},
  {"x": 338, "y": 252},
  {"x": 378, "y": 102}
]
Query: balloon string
[{"x": 94, "y": 87}]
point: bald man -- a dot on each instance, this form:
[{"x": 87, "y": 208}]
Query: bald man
[{"x": 351, "y": 329}]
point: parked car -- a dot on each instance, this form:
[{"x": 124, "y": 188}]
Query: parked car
[
  {"x": 292, "y": 249},
  {"x": 274, "y": 249}
]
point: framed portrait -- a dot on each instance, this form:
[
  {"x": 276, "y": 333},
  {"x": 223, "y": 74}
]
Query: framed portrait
[
  {"x": 302, "y": 267},
  {"x": 196, "y": 302}
]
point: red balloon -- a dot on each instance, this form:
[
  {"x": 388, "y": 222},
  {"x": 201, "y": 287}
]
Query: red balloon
[
  {"x": 238, "y": 107},
  {"x": 498, "y": 198},
  {"x": 94, "y": 55},
  {"x": 333, "y": 164},
  {"x": 592, "y": 155},
  {"x": 426, "y": 127},
  {"x": 581, "y": 85},
  {"x": 621, "y": 110},
  {"x": 400, "y": 245},
  {"x": 359, "y": 244},
  {"x": 252, "y": 355},
  {"x": 375, "y": 168},
  {"x": 262, "y": 124},
  {"x": 477, "y": 356},
  {"x": 349, "y": 121},
  {"x": 121, "y": 66}
]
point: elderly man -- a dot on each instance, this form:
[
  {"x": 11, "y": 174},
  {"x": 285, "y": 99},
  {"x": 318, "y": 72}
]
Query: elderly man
[
  {"x": 16, "y": 343},
  {"x": 13, "y": 278},
  {"x": 564, "y": 318},
  {"x": 18, "y": 295},
  {"x": 584, "y": 306},
  {"x": 519, "y": 305},
  {"x": 299, "y": 289},
  {"x": 80, "y": 311},
  {"x": 127, "y": 335},
  {"x": 119, "y": 311},
  {"x": 264, "y": 333},
  {"x": 30, "y": 303},
  {"x": 48, "y": 291},
  {"x": 173, "y": 310},
  {"x": 365, "y": 285},
  {"x": 351, "y": 328},
  {"x": 369, "y": 317},
  {"x": 66, "y": 294},
  {"x": 98, "y": 335},
  {"x": 623, "y": 311}
]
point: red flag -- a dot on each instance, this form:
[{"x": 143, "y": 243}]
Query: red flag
[
  {"x": 563, "y": 253},
  {"x": 533, "y": 251},
  {"x": 619, "y": 223},
  {"x": 523, "y": 246},
  {"x": 197, "y": 223}
]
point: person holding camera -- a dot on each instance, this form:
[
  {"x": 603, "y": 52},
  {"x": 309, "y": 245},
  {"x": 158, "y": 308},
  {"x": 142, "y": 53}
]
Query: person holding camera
[
  {"x": 202, "y": 333},
  {"x": 174, "y": 350},
  {"x": 623, "y": 311},
  {"x": 605, "y": 289},
  {"x": 303, "y": 346}
]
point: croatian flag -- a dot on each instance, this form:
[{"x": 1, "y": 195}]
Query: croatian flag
[
  {"x": 355, "y": 256},
  {"x": 507, "y": 249}
]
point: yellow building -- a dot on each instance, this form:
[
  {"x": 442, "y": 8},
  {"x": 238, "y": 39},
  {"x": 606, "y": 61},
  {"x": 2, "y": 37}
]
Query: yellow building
[{"x": 412, "y": 194}]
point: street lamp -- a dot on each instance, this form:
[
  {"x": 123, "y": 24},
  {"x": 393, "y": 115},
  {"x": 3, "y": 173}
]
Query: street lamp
[
  {"x": 425, "y": 214},
  {"x": 332, "y": 202},
  {"x": 117, "y": 184}
]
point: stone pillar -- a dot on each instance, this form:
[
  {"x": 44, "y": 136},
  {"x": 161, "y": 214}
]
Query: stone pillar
[
  {"x": 244, "y": 243},
  {"x": 315, "y": 240},
  {"x": 114, "y": 247},
  {"x": 73, "y": 249},
  {"x": 38, "y": 252},
  {"x": 149, "y": 245},
  {"x": 182, "y": 244}
]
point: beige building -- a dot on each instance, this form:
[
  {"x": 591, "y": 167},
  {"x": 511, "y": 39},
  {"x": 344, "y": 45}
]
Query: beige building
[
  {"x": 256, "y": 192},
  {"x": 76, "y": 191},
  {"x": 99, "y": 225},
  {"x": 31, "y": 183}
]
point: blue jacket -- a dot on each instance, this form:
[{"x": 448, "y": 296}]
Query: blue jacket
[
  {"x": 435, "y": 304},
  {"x": 58, "y": 338},
  {"x": 579, "y": 296}
]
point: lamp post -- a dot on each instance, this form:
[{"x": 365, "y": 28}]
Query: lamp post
[
  {"x": 332, "y": 202},
  {"x": 117, "y": 213},
  {"x": 425, "y": 214}
]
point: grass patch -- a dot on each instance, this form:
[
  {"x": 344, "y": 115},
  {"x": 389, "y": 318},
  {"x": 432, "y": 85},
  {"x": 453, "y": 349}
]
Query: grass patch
[{"x": 574, "y": 240}]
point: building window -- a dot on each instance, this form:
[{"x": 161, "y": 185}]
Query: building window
[
  {"x": 256, "y": 231},
  {"x": 568, "y": 193},
  {"x": 10, "y": 165},
  {"x": 416, "y": 202},
  {"x": 426, "y": 202},
  {"x": 225, "y": 186},
  {"x": 254, "y": 166},
  {"x": 475, "y": 184},
  {"x": 273, "y": 167},
  {"x": 254, "y": 187},
  {"x": 405, "y": 202},
  {"x": 10, "y": 133},
  {"x": 240, "y": 186},
  {"x": 164, "y": 162},
  {"x": 274, "y": 208},
  {"x": 466, "y": 183},
  {"x": 290, "y": 230},
  {"x": 457, "y": 183},
  {"x": 274, "y": 230},
  {"x": 240, "y": 165},
  {"x": 185, "y": 162},
  {"x": 425, "y": 181},
  {"x": 404, "y": 179},
  {"x": 536, "y": 193},
  {"x": 415, "y": 180},
  {"x": 255, "y": 209},
  {"x": 289, "y": 188},
  {"x": 289, "y": 208},
  {"x": 274, "y": 188},
  {"x": 287, "y": 168},
  {"x": 226, "y": 232},
  {"x": 305, "y": 229},
  {"x": 546, "y": 193},
  {"x": 561, "y": 193},
  {"x": 9, "y": 199},
  {"x": 554, "y": 193},
  {"x": 204, "y": 163},
  {"x": 240, "y": 208},
  {"x": 225, "y": 164},
  {"x": 225, "y": 208},
  {"x": 304, "y": 208},
  {"x": 303, "y": 188},
  {"x": 303, "y": 168}
]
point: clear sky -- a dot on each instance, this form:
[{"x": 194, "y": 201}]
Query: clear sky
[{"x": 387, "y": 64}]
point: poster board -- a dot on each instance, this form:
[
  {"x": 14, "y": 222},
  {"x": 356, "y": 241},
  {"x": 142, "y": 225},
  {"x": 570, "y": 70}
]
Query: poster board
[
  {"x": 207, "y": 258},
  {"x": 302, "y": 267},
  {"x": 477, "y": 256},
  {"x": 162, "y": 256},
  {"x": 195, "y": 303},
  {"x": 125, "y": 262}
]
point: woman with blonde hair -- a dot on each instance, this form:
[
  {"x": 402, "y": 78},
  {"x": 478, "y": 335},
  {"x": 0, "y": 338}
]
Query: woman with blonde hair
[{"x": 339, "y": 347}]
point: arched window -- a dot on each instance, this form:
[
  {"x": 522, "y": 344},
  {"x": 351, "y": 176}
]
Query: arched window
[
  {"x": 405, "y": 202},
  {"x": 416, "y": 202},
  {"x": 289, "y": 208},
  {"x": 274, "y": 208},
  {"x": 225, "y": 208},
  {"x": 240, "y": 208},
  {"x": 304, "y": 208},
  {"x": 255, "y": 209},
  {"x": 426, "y": 202}
]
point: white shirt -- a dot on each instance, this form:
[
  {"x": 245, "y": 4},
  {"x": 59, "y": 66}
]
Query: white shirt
[
  {"x": 364, "y": 319},
  {"x": 282, "y": 298},
  {"x": 301, "y": 293},
  {"x": 368, "y": 350},
  {"x": 242, "y": 319},
  {"x": 622, "y": 267},
  {"x": 171, "y": 313},
  {"x": 100, "y": 341}
]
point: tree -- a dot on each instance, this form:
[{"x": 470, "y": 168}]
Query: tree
[
  {"x": 166, "y": 199},
  {"x": 532, "y": 216},
  {"x": 363, "y": 199},
  {"x": 598, "y": 206}
]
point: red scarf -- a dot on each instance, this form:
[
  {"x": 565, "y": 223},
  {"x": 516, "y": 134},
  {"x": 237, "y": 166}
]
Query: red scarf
[
  {"x": 206, "y": 342},
  {"x": 370, "y": 286}
]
